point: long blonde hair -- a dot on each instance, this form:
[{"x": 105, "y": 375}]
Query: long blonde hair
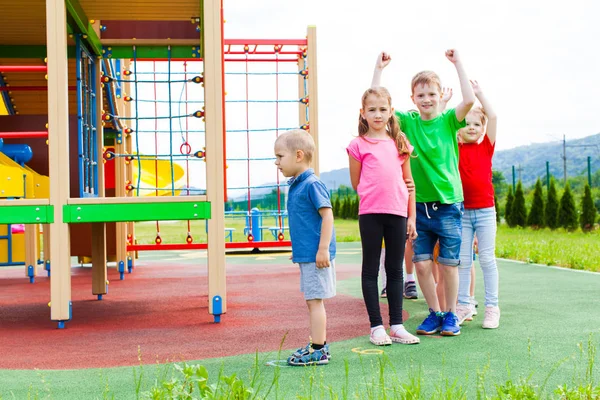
[{"x": 393, "y": 126}]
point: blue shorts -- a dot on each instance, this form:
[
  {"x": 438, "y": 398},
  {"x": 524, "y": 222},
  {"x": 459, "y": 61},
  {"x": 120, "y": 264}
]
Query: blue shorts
[
  {"x": 441, "y": 222},
  {"x": 317, "y": 283}
]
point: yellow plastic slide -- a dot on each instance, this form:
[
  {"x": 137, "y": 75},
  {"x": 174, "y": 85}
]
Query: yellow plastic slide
[{"x": 157, "y": 174}]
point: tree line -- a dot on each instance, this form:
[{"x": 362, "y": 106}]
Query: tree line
[{"x": 550, "y": 211}]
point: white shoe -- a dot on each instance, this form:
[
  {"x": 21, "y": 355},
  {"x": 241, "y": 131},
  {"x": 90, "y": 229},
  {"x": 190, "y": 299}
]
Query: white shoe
[
  {"x": 492, "y": 317},
  {"x": 403, "y": 336},
  {"x": 475, "y": 304},
  {"x": 379, "y": 337},
  {"x": 464, "y": 312}
]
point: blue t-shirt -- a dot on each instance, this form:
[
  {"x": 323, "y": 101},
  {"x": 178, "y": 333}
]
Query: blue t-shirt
[{"x": 306, "y": 196}]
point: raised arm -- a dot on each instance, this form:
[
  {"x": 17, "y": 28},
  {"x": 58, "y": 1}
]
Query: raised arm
[
  {"x": 383, "y": 59},
  {"x": 468, "y": 97},
  {"x": 491, "y": 114}
]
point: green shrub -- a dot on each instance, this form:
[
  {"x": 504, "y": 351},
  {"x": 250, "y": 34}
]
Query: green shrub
[
  {"x": 536, "y": 213},
  {"x": 497, "y": 207},
  {"x": 588, "y": 210},
  {"x": 518, "y": 212},
  {"x": 508, "y": 206},
  {"x": 551, "y": 211},
  {"x": 567, "y": 214}
]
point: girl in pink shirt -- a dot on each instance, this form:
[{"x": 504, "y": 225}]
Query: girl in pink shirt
[{"x": 379, "y": 171}]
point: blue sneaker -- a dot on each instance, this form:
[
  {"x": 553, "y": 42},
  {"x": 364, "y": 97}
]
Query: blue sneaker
[
  {"x": 305, "y": 349},
  {"x": 309, "y": 356},
  {"x": 431, "y": 324},
  {"x": 450, "y": 326}
]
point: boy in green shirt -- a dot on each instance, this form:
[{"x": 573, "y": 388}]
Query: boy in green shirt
[{"x": 438, "y": 187}]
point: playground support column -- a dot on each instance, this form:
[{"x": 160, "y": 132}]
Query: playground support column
[
  {"x": 58, "y": 154},
  {"x": 126, "y": 110},
  {"x": 312, "y": 93},
  {"x": 214, "y": 109},
  {"x": 99, "y": 259},
  {"x": 31, "y": 251},
  {"x": 46, "y": 258}
]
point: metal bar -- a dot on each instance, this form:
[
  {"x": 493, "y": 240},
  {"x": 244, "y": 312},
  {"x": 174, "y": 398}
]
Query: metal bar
[
  {"x": 204, "y": 246},
  {"x": 23, "y": 68},
  {"x": 23, "y": 135},
  {"x": 28, "y": 88},
  {"x": 260, "y": 42},
  {"x": 84, "y": 26}
]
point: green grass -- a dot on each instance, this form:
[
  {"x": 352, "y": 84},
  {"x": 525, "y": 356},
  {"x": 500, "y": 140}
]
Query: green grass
[
  {"x": 176, "y": 231},
  {"x": 358, "y": 377},
  {"x": 576, "y": 250},
  {"x": 544, "y": 349}
]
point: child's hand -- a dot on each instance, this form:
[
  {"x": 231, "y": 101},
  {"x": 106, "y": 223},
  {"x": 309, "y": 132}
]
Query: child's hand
[
  {"x": 452, "y": 55},
  {"x": 383, "y": 59},
  {"x": 323, "y": 258},
  {"x": 476, "y": 88},
  {"x": 446, "y": 94},
  {"x": 411, "y": 229}
]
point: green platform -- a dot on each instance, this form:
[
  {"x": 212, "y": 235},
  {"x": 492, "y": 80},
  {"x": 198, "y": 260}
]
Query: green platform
[
  {"x": 135, "y": 212},
  {"x": 26, "y": 214}
]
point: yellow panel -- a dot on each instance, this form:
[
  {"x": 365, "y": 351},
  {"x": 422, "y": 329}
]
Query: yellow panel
[{"x": 3, "y": 110}]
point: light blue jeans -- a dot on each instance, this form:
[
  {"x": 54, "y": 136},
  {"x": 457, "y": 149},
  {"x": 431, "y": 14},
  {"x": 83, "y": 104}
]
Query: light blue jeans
[{"x": 480, "y": 221}]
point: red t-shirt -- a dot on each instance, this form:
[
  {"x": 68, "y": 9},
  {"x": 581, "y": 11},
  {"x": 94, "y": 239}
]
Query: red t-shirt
[{"x": 475, "y": 166}]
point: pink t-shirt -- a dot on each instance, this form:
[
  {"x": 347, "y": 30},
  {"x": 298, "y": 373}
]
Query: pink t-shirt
[{"x": 381, "y": 187}]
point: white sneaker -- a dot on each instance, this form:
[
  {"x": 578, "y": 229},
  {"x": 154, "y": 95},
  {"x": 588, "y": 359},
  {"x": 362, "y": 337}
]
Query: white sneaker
[
  {"x": 464, "y": 312},
  {"x": 475, "y": 304},
  {"x": 492, "y": 317}
]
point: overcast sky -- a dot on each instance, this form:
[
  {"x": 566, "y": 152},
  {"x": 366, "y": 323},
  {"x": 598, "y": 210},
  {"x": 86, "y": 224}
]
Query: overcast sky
[{"x": 538, "y": 61}]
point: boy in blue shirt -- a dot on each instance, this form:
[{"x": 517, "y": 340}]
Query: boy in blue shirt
[{"x": 313, "y": 238}]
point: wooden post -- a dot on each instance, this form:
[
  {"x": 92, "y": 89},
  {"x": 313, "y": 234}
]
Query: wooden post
[
  {"x": 58, "y": 153},
  {"x": 313, "y": 101},
  {"x": 302, "y": 92},
  {"x": 214, "y": 104},
  {"x": 99, "y": 259}
]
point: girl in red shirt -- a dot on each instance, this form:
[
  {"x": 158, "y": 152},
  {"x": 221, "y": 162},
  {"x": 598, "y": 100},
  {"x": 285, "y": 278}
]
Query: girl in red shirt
[{"x": 476, "y": 148}]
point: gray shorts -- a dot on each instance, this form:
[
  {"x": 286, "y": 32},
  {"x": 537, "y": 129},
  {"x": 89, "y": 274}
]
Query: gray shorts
[{"x": 317, "y": 283}]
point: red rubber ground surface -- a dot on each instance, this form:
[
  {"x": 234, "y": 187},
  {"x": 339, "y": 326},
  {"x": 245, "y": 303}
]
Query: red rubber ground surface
[{"x": 163, "y": 310}]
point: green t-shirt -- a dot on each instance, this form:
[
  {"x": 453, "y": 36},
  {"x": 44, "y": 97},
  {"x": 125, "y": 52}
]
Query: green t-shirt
[{"x": 434, "y": 161}]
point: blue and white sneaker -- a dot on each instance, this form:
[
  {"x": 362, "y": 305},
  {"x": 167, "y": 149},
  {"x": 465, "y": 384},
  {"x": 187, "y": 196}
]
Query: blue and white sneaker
[
  {"x": 305, "y": 349},
  {"x": 309, "y": 356},
  {"x": 450, "y": 325},
  {"x": 432, "y": 324}
]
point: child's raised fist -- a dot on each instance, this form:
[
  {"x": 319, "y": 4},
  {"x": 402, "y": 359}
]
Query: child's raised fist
[
  {"x": 383, "y": 59},
  {"x": 452, "y": 55}
]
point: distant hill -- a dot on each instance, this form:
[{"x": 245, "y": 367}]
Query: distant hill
[
  {"x": 335, "y": 178},
  {"x": 531, "y": 159}
]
